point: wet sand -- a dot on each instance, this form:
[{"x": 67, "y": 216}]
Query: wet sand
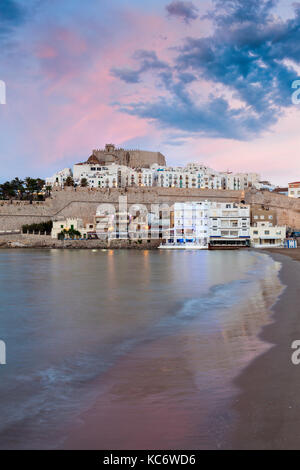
[{"x": 268, "y": 405}]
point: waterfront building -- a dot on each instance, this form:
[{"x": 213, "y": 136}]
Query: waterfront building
[
  {"x": 111, "y": 224},
  {"x": 229, "y": 224},
  {"x": 264, "y": 215},
  {"x": 138, "y": 226},
  {"x": 189, "y": 223},
  {"x": 294, "y": 190},
  {"x": 264, "y": 235},
  {"x": 71, "y": 224}
]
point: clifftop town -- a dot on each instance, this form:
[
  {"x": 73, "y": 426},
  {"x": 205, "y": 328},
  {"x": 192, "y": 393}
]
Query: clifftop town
[{"x": 119, "y": 168}]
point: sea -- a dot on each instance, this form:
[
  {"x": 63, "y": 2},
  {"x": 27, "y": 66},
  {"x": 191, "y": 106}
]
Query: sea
[{"x": 128, "y": 349}]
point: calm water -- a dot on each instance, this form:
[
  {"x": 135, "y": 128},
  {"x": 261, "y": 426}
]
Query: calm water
[{"x": 125, "y": 349}]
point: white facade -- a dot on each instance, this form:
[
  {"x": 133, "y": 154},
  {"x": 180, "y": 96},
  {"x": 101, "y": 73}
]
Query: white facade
[
  {"x": 59, "y": 178},
  {"x": 97, "y": 176},
  {"x": 229, "y": 220},
  {"x": 191, "y": 222},
  {"x": 264, "y": 235},
  {"x": 193, "y": 175},
  {"x": 201, "y": 177}
]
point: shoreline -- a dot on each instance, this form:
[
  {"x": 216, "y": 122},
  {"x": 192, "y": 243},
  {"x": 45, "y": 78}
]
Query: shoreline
[
  {"x": 25, "y": 241},
  {"x": 267, "y": 404}
]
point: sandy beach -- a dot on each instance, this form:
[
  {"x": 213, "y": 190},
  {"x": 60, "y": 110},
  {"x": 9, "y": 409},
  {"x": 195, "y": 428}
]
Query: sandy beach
[{"x": 268, "y": 405}]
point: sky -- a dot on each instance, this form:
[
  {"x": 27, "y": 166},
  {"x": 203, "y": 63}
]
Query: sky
[{"x": 205, "y": 81}]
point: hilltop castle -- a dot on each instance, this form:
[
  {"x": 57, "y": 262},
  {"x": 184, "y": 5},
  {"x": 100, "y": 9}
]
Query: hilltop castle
[{"x": 130, "y": 158}]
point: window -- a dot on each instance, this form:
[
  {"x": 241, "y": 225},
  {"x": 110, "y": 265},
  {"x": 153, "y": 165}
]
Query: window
[{"x": 267, "y": 232}]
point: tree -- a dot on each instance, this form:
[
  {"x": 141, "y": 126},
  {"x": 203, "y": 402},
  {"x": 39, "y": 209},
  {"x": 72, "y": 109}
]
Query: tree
[
  {"x": 84, "y": 182},
  {"x": 7, "y": 190},
  {"x": 69, "y": 181},
  {"x": 34, "y": 185},
  {"x": 48, "y": 190},
  {"x": 18, "y": 187},
  {"x": 71, "y": 233}
]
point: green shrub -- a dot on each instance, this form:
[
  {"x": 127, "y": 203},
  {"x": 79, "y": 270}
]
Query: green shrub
[{"x": 41, "y": 227}]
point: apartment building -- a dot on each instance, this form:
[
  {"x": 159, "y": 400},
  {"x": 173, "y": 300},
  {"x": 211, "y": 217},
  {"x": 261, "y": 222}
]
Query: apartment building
[
  {"x": 190, "y": 223},
  {"x": 229, "y": 224}
]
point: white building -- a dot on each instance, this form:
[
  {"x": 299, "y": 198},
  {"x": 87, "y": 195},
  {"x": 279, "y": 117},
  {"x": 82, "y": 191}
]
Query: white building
[
  {"x": 193, "y": 175},
  {"x": 229, "y": 224},
  {"x": 190, "y": 223},
  {"x": 111, "y": 176},
  {"x": 294, "y": 190},
  {"x": 265, "y": 235},
  {"x": 59, "y": 178},
  {"x": 64, "y": 225}
]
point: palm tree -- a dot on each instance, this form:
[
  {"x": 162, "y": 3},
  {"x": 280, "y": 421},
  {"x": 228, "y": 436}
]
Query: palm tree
[{"x": 18, "y": 186}]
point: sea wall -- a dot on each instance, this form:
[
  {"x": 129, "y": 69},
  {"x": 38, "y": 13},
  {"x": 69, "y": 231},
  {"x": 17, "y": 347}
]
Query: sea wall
[
  {"x": 83, "y": 203},
  {"x": 44, "y": 241}
]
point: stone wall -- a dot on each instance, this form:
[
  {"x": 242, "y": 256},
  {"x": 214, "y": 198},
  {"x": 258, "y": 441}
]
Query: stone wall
[
  {"x": 43, "y": 241},
  {"x": 83, "y": 203},
  {"x": 287, "y": 209}
]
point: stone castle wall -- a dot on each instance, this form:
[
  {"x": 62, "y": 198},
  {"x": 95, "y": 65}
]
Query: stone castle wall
[
  {"x": 132, "y": 158},
  {"x": 83, "y": 203}
]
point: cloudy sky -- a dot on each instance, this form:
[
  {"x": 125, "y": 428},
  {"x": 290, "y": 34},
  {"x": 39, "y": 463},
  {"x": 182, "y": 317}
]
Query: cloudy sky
[{"x": 207, "y": 81}]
